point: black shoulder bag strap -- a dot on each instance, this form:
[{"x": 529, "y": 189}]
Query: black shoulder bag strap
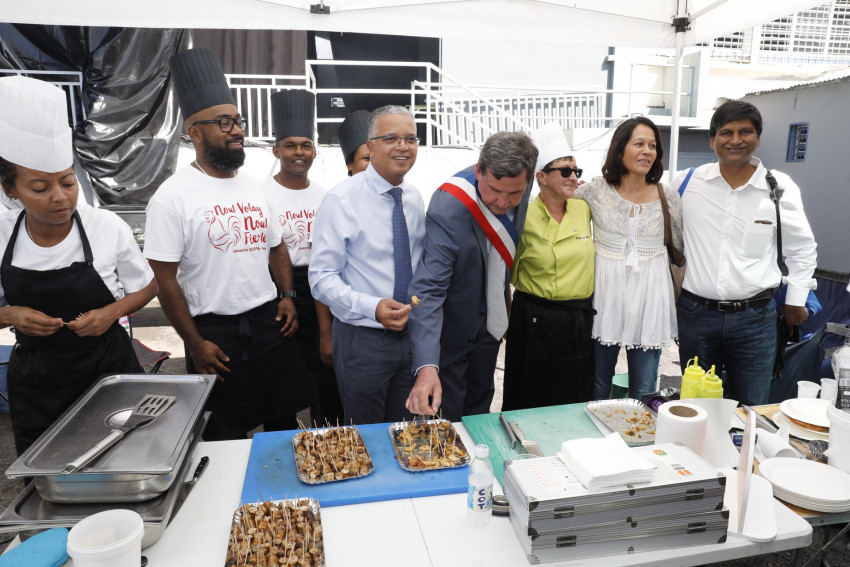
[
  {"x": 776, "y": 193},
  {"x": 781, "y": 339}
]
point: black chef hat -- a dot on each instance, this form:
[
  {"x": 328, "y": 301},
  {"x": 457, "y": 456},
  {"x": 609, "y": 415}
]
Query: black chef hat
[
  {"x": 293, "y": 114},
  {"x": 199, "y": 81},
  {"x": 353, "y": 132}
]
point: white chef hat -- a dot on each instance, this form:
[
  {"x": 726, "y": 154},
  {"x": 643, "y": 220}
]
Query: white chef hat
[
  {"x": 34, "y": 129},
  {"x": 551, "y": 144}
]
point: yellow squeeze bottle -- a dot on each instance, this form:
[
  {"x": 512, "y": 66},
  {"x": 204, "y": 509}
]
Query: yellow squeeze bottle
[
  {"x": 711, "y": 386},
  {"x": 691, "y": 379}
]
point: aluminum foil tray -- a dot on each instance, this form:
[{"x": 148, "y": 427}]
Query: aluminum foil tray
[
  {"x": 352, "y": 459},
  {"x": 632, "y": 419},
  {"x": 311, "y": 533},
  {"x": 418, "y": 450}
]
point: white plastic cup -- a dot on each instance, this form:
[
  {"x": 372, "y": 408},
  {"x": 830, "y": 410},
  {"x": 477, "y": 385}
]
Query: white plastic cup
[
  {"x": 107, "y": 539},
  {"x": 828, "y": 388},
  {"x": 839, "y": 438},
  {"x": 807, "y": 389}
]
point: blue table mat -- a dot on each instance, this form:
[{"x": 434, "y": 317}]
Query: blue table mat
[{"x": 271, "y": 472}]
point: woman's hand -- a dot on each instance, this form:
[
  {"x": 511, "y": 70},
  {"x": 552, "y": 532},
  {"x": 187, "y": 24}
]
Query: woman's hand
[
  {"x": 30, "y": 321},
  {"x": 94, "y": 323}
]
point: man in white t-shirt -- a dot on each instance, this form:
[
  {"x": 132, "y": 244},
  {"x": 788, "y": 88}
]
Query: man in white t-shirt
[
  {"x": 295, "y": 199},
  {"x": 210, "y": 239}
]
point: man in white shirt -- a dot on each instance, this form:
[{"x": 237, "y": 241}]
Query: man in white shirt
[
  {"x": 727, "y": 314},
  {"x": 210, "y": 241},
  {"x": 295, "y": 198},
  {"x": 367, "y": 239}
]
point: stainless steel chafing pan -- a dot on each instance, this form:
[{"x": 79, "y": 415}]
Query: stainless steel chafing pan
[{"x": 139, "y": 467}]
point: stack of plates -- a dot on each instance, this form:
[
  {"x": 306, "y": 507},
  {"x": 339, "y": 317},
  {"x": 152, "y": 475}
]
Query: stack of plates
[
  {"x": 808, "y": 484},
  {"x": 806, "y": 417}
]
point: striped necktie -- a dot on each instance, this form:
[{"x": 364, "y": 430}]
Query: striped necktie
[{"x": 497, "y": 311}]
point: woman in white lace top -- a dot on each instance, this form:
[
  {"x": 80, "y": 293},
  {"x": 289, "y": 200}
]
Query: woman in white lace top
[{"x": 633, "y": 294}]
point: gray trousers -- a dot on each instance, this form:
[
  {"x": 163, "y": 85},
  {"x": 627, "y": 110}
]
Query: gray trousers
[{"x": 373, "y": 373}]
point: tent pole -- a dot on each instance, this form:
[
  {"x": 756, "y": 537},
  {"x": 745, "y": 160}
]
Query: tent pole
[
  {"x": 682, "y": 24},
  {"x": 677, "y": 104}
]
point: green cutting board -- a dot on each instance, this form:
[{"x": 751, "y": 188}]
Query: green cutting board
[{"x": 549, "y": 426}]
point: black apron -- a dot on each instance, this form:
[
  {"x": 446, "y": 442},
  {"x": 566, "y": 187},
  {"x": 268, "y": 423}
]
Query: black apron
[
  {"x": 326, "y": 405},
  {"x": 267, "y": 381},
  {"x": 47, "y": 374}
]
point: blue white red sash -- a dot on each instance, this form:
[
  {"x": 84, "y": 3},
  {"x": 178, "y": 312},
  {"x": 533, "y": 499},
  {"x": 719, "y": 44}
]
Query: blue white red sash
[{"x": 499, "y": 229}]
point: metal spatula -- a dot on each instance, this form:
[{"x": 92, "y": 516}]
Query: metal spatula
[{"x": 151, "y": 407}]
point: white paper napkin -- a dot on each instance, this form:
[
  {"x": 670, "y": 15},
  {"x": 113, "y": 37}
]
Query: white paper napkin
[{"x": 600, "y": 463}]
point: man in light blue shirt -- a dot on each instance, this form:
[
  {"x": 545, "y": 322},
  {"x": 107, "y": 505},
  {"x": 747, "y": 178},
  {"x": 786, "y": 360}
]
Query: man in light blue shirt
[{"x": 366, "y": 232}]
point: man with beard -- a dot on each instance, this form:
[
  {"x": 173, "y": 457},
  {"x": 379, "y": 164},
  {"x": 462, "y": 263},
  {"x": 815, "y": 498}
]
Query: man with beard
[
  {"x": 294, "y": 199},
  {"x": 210, "y": 241}
]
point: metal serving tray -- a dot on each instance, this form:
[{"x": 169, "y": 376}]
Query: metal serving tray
[
  {"x": 609, "y": 416},
  {"x": 304, "y": 476},
  {"x": 315, "y": 512},
  {"x": 29, "y": 511},
  {"x": 140, "y": 466},
  {"x": 402, "y": 456}
]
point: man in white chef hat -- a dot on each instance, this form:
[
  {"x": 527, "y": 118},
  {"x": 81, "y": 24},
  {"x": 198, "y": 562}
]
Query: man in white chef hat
[{"x": 62, "y": 268}]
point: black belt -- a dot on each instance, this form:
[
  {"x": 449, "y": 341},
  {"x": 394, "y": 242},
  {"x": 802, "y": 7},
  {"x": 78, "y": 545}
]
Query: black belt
[{"x": 733, "y": 305}]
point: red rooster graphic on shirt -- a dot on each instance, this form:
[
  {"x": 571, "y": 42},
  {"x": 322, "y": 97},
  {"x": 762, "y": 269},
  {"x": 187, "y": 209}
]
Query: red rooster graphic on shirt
[
  {"x": 223, "y": 234},
  {"x": 294, "y": 232}
]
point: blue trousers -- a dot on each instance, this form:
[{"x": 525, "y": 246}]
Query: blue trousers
[
  {"x": 373, "y": 373},
  {"x": 643, "y": 370},
  {"x": 742, "y": 344}
]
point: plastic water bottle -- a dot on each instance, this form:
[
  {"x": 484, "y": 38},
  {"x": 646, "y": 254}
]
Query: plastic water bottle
[
  {"x": 691, "y": 379},
  {"x": 479, "y": 493}
]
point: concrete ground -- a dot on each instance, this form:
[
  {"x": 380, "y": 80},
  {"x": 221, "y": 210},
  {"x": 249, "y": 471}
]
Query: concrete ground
[{"x": 152, "y": 328}]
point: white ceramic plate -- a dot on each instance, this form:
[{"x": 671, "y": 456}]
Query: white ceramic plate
[
  {"x": 798, "y": 430},
  {"x": 807, "y": 410},
  {"x": 814, "y": 483}
]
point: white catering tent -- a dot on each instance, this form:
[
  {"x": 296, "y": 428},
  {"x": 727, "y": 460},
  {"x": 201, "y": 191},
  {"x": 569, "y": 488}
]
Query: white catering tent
[{"x": 636, "y": 23}]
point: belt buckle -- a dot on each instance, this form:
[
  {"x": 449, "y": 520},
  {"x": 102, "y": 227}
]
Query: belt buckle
[{"x": 728, "y": 306}]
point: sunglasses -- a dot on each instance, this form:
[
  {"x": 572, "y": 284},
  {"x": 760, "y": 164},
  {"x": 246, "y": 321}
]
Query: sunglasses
[{"x": 565, "y": 171}]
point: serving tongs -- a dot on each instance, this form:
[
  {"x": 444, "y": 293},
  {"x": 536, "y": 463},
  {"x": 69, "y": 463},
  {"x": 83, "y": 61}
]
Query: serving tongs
[{"x": 149, "y": 408}]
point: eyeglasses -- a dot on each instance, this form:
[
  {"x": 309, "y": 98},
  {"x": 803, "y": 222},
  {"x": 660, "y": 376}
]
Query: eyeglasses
[
  {"x": 225, "y": 124},
  {"x": 565, "y": 171},
  {"x": 392, "y": 139}
]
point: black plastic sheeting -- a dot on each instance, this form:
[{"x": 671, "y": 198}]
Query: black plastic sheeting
[{"x": 129, "y": 139}]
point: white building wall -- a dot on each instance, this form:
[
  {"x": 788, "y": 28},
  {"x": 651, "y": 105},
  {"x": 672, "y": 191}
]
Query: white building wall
[{"x": 824, "y": 177}]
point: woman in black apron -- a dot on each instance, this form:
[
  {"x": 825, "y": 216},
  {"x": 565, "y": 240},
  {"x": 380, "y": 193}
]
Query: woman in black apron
[{"x": 66, "y": 319}]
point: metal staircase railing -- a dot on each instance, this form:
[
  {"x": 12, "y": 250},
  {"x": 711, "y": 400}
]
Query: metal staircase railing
[
  {"x": 453, "y": 113},
  {"x": 69, "y": 81}
]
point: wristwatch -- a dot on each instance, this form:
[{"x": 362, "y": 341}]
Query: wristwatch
[{"x": 290, "y": 293}]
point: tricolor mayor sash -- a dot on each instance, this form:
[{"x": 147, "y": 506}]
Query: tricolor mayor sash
[{"x": 499, "y": 229}]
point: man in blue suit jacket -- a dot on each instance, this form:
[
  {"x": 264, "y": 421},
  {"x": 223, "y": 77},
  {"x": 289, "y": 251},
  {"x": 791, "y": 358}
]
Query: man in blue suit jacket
[{"x": 481, "y": 208}]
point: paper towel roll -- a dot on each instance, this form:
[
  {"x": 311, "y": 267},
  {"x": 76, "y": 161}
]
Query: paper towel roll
[
  {"x": 683, "y": 423},
  {"x": 719, "y": 450}
]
